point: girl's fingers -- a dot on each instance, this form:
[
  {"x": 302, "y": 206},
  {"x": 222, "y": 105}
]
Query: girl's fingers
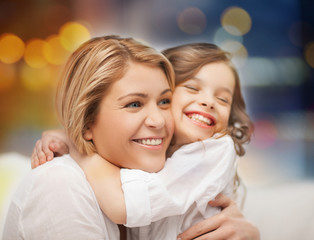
[
  {"x": 40, "y": 154},
  {"x": 34, "y": 160},
  {"x": 59, "y": 148}
]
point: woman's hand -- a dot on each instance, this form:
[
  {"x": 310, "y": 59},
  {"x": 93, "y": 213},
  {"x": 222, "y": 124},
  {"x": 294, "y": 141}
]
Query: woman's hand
[
  {"x": 230, "y": 224},
  {"x": 53, "y": 143}
]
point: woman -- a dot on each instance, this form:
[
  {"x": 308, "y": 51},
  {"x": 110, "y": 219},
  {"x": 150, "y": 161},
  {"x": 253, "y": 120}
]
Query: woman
[{"x": 80, "y": 101}]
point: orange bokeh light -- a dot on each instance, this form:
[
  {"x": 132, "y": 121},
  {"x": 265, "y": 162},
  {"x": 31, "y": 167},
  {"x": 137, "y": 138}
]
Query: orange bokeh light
[{"x": 11, "y": 48}]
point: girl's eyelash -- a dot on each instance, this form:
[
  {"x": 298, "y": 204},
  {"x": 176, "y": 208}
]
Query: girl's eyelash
[
  {"x": 223, "y": 99},
  {"x": 191, "y": 87}
]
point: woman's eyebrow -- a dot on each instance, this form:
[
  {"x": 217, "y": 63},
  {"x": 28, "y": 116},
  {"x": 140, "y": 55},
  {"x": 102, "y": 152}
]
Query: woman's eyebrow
[
  {"x": 133, "y": 95},
  {"x": 142, "y": 95},
  {"x": 165, "y": 91}
]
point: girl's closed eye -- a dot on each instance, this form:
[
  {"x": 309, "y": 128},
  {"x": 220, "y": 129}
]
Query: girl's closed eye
[
  {"x": 190, "y": 87},
  {"x": 223, "y": 99}
]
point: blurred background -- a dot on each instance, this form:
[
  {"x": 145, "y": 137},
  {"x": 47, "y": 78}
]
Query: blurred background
[{"x": 272, "y": 43}]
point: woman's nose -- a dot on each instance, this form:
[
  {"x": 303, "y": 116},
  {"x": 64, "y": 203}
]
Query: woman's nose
[{"x": 155, "y": 119}]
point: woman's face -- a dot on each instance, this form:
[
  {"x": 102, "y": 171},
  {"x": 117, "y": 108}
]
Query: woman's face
[
  {"x": 201, "y": 105},
  {"x": 134, "y": 125}
]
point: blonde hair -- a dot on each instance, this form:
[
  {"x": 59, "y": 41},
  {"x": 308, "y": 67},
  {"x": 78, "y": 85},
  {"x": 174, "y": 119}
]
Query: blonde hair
[
  {"x": 89, "y": 72},
  {"x": 187, "y": 60}
]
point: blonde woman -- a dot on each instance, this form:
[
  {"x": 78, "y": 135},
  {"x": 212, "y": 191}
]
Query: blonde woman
[{"x": 55, "y": 201}]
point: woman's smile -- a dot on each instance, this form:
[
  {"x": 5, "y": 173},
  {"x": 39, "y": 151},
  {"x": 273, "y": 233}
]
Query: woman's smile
[{"x": 154, "y": 143}]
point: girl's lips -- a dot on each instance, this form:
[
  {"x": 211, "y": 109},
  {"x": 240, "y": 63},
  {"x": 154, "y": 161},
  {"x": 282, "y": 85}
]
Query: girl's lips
[{"x": 201, "y": 119}]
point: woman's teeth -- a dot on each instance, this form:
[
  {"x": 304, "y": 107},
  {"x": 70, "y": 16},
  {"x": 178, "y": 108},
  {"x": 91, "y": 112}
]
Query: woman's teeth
[
  {"x": 151, "y": 142},
  {"x": 200, "y": 118}
]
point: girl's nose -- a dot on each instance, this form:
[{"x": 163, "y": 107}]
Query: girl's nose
[{"x": 207, "y": 105}]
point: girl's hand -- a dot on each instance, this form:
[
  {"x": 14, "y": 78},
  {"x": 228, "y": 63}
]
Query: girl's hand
[
  {"x": 53, "y": 143},
  {"x": 228, "y": 225}
]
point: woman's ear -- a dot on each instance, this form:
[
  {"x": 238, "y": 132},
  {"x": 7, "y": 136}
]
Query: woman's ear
[{"x": 88, "y": 134}]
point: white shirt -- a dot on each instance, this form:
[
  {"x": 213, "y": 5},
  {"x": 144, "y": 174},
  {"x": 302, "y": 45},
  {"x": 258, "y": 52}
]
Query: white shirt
[
  {"x": 177, "y": 197},
  {"x": 55, "y": 201}
]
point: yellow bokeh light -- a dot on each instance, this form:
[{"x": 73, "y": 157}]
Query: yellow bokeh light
[
  {"x": 35, "y": 79},
  {"x": 11, "y": 48},
  {"x": 54, "y": 51},
  {"x": 7, "y": 76},
  {"x": 309, "y": 54},
  {"x": 73, "y": 34},
  {"x": 236, "y": 21},
  {"x": 34, "y": 53},
  {"x": 192, "y": 21}
]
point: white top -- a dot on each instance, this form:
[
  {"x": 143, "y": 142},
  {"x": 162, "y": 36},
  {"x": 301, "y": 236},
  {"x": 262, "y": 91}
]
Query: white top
[
  {"x": 55, "y": 201},
  {"x": 178, "y": 195}
]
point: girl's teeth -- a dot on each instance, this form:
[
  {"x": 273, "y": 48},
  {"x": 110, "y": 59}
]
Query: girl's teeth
[{"x": 200, "y": 118}]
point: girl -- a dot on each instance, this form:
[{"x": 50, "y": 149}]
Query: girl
[{"x": 209, "y": 113}]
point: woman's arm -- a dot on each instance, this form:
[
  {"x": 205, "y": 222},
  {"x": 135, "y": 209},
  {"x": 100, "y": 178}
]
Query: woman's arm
[{"x": 229, "y": 224}]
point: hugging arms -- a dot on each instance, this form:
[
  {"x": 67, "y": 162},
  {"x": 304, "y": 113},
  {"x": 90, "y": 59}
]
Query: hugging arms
[{"x": 108, "y": 80}]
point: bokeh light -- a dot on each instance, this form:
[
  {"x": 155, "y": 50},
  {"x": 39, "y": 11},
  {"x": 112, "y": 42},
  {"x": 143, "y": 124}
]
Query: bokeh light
[
  {"x": 11, "y": 48},
  {"x": 309, "y": 54},
  {"x": 34, "y": 53},
  {"x": 36, "y": 79},
  {"x": 54, "y": 51},
  {"x": 73, "y": 34},
  {"x": 221, "y": 35},
  {"x": 236, "y": 21},
  {"x": 7, "y": 76},
  {"x": 238, "y": 51},
  {"x": 265, "y": 134},
  {"x": 192, "y": 21}
]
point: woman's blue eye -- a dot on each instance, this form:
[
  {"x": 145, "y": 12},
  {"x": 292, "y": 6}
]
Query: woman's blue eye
[
  {"x": 133, "y": 105},
  {"x": 165, "y": 101}
]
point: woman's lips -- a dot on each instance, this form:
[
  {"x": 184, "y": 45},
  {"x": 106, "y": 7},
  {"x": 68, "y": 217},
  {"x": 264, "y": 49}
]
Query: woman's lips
[{"x": 150, "y": 143}]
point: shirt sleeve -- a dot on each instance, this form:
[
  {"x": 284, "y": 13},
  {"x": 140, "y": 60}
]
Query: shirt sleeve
[
  {"x": 195, "y": 173},
  {"x": 60, "y": 205}
]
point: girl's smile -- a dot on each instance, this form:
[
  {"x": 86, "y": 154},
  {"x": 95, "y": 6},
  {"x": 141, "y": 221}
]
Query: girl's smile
[
  {"x": 201, "y": 119},
  {"x": 201, "y": 105}
]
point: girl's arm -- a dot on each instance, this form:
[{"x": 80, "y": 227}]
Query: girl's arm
[
  {"x": 196, "y": 173},
  {"x": 198, "y": 168},
  {"x": 103, "y": 176}
]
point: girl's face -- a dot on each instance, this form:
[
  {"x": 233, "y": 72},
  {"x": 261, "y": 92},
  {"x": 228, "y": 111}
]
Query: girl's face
[
  {"x": 134, "y": 125},
  {"x": 201, "y": 105}
]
